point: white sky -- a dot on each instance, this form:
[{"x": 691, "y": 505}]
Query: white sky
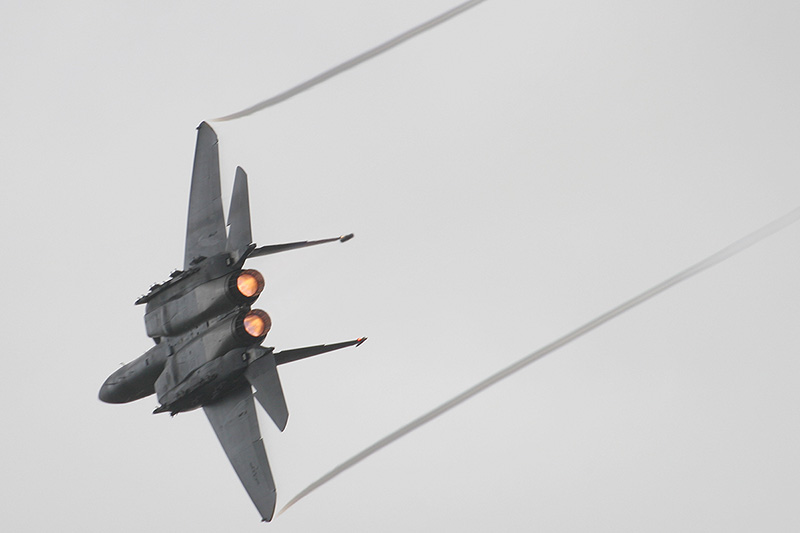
[{"x": 509, "y": 176}]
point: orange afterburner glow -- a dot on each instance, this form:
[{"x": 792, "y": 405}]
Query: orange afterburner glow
[
  {"x": 250, "y": 283},
  {"x": 257, "y": 323}
]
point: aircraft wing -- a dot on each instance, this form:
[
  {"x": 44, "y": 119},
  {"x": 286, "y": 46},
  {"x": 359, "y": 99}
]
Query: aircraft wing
[
  {"x": 205, "y": 228},
  {"x": 234, "y": 420}
]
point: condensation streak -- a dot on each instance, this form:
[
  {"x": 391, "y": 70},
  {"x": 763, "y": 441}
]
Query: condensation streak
[
  {"x": 707, "y": 263},
  {"x": 369, "y": 54}
]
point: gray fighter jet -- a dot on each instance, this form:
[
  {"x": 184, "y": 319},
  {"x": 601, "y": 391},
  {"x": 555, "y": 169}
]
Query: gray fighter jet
[{"x": 207, "y": 338}]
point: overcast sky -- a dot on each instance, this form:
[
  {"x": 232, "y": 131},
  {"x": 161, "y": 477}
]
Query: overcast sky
[{"x": 509, "y": 176}]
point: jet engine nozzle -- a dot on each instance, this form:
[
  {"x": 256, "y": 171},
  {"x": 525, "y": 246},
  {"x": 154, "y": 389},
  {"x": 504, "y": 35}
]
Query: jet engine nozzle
[
  {"x": 201, "y": 303},
  {"x": 248, "y": 283},
  {"x": 252, "y": 325}
]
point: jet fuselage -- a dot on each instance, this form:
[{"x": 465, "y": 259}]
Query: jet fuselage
[
  {"x": 194, "y": 320},
  {"x": 207, "y": 337}
]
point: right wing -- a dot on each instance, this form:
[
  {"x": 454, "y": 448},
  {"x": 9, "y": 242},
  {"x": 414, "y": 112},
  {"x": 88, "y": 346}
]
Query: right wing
[
  {"x": 234, "y": 420},
  {"x": 205, "y": 227}
]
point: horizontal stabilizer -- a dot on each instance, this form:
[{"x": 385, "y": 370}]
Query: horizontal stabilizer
[
  {"x": 276, "y": 248},
  {"x": 263, "y": 375},
  {"x": 287, "y": 356}
]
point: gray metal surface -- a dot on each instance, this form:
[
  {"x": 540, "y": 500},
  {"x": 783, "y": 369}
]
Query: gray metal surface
[
  {"x": 263, "y": 375},
  {"x": 234, "y": 421},
  {"x": 277, "y": 248},
  {"x": 136, "y": 379},
  {"x": 205, "y": 227},
  {"x": 240, "y": 235},
  {"x": 207, "y": 351},
  {"x": 295, "y": 354}
]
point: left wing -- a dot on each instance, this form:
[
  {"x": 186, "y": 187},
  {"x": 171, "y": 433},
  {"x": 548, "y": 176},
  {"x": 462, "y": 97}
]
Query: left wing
[
  {"x": 205, "y": 227},
  {"x": 234, "y": 420}
]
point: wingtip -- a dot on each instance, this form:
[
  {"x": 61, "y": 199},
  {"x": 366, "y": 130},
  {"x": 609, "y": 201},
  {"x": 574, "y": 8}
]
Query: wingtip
[
  {"x": 345, "y": 238},
  {"x": 360, "y": 341},
  {"x": 205, "y": 131}
]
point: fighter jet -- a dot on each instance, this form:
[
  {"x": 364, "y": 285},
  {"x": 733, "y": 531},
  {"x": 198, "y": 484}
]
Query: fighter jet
[{"x": 207, "y": 337}]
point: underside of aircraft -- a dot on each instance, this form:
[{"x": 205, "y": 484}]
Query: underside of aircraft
[{"x": 207, "y": 350}]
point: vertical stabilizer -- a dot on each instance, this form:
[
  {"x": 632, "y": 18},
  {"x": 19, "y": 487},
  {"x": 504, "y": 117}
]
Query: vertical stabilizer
[
  {"x": 205, "y": 228},
  {"x": 263, "y": 375},
  {"x": 239, "y": 235}
]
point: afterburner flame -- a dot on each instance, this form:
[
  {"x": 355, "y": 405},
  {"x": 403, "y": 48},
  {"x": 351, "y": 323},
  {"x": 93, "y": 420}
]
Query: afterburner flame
[
  {"x": 257, "y": 323},
  {"x": 250, "y": 283}
]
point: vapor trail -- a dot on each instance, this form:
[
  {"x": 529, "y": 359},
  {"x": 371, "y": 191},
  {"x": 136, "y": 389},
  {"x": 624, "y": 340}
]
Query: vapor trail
[
  {"x": 369, "y": 54},
  {"x": 720, "y": 256}
]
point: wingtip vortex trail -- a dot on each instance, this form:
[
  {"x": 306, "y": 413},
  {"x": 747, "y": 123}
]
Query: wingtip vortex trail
[
  {"x": 714, "y": 259},
  {"x": 350, "y": 63}
]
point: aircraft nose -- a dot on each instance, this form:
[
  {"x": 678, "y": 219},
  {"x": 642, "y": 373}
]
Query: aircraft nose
[
  {"x": 110, "y": 393},
  {"x": 105, "y": 393}
]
